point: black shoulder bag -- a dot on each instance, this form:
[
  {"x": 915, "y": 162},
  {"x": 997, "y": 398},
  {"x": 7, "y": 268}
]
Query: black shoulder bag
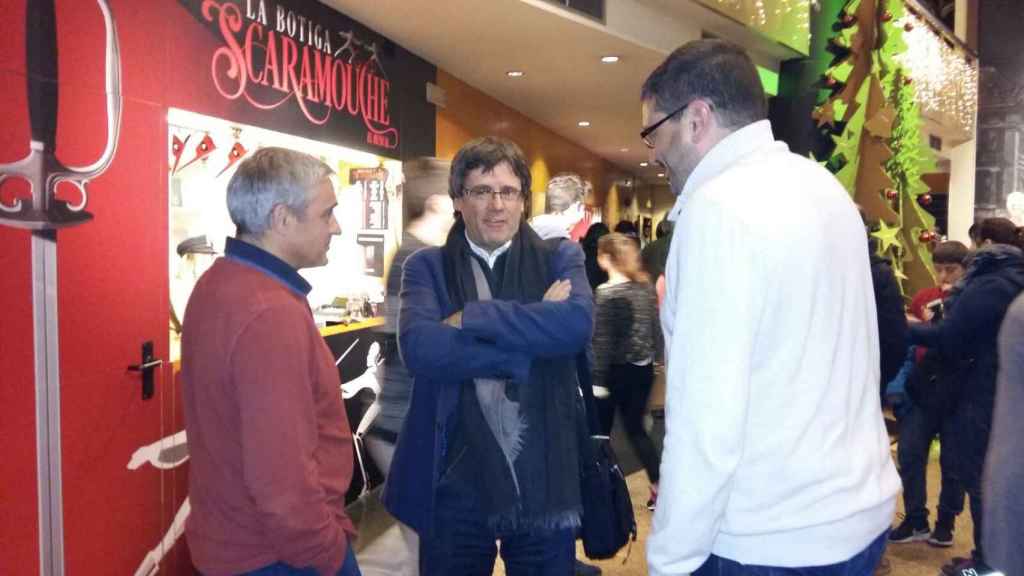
[{"x": 608, "y": 522}]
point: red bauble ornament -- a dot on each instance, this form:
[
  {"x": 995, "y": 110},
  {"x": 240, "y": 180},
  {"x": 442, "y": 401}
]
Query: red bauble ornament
[
  {"x": 886, "y": 16},
  {"x": 925, "y": 236},
  {"x": 924, "y": 199},
  {"x": 848, "y": 19},
  {"x": 891, "y": 193},
  {"x": 830, "y": 81},
  {"x": 908, "y": 27},
  {"x": 907, "y": 80}
]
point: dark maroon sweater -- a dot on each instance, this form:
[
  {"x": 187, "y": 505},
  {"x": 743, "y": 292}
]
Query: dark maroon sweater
[{"x": 270, "y": 445}]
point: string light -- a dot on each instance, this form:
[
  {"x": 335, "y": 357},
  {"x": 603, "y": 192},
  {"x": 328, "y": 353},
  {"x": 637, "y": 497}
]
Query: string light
[
  {"x": 786, "y": 20},
  {"x": 945, "y": 79}
]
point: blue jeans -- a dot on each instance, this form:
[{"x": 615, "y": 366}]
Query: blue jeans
[
  {"x": 348, "y": 568},
  {"x": 462, "y": 544},
  {"x": 917, "y": 429},
  {"x": 863, "y": 564}
]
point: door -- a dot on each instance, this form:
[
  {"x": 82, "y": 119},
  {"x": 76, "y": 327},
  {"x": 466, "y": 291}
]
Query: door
[{"x": 111, "y": 293}]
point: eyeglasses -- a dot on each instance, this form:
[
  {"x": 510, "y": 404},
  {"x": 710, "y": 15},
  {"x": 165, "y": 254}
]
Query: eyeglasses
[
  {"x": 483, "y": 193},
  {"x": 645, "y": 134}
]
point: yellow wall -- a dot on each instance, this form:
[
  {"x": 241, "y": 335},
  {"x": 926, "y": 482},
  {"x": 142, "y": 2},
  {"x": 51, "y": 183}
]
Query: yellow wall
[{"x": 470, "y": 113}]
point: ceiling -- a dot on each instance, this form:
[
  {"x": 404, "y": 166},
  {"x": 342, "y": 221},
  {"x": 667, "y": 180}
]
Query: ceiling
[{"x": 560, "y": 52}]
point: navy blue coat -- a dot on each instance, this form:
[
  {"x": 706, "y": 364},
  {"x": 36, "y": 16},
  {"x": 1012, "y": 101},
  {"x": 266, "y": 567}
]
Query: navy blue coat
[
  {"x": 966, "y": 341},
  {"x": 498, "y": 339}
]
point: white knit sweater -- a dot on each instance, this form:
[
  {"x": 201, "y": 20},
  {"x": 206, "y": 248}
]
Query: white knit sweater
[{"x": 775, "y": 450}]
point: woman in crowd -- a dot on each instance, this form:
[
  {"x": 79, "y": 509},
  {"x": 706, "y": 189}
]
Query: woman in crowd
[{"x": 624, "y": 327}]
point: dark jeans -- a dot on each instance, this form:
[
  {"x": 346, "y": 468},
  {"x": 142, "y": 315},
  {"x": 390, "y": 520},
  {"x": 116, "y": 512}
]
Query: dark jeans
[
  {"x": 863, "y": 564},
  {"x": 917, "y": 429},
  {"x": 630, "y": 387},
  {"x": 972, "y": 422},
  {"x": 348, "y": 568},
  {"x": 462, "y": 544}
]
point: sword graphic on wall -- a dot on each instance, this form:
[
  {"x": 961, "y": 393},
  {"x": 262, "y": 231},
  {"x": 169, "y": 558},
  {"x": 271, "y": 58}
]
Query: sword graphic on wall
[{"x": 44, "y": 215}]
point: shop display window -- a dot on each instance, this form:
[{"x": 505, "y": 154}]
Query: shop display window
[{"x": 203, "y": 154}]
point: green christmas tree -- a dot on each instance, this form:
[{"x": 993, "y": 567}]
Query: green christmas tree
[
  {"x": 877, "y": 153},
  {"x": 911, "y": 160}
]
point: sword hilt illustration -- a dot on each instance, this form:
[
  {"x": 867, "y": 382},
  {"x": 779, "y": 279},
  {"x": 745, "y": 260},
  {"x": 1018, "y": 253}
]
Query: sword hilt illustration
[{"x": 41, "y": 168}]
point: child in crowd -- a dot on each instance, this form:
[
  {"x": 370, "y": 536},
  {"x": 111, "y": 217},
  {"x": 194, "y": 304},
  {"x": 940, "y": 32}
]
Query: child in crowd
[{"x": 923, "y": 410}]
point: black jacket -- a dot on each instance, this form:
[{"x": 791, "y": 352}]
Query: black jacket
[
  {"x": 931, "y": 385},
  {"x": 966, "y": 337},
  {"x": 892, "y": 320}
]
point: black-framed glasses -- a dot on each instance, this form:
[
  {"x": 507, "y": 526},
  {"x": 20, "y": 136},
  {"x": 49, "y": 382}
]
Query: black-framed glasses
[
  {"x": 485, "y": 192},
  {"x": 645, "y": 134}
]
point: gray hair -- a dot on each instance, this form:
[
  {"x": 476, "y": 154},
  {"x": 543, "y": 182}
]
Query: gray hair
[
  {"x": 564, "y": 190},
  {"x": 271, "y": 176}
]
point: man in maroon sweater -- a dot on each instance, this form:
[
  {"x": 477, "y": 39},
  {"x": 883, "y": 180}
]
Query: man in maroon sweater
[{"x": 270, "y": 444}]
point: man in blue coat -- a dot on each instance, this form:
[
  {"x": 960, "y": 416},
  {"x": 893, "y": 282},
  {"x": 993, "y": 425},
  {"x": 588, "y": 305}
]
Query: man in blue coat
[{"x": 489, "y": 327}]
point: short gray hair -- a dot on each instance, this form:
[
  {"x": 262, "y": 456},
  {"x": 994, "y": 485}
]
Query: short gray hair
[
  {"x": 269, "y": 177},
  {"x": 564, "y": 190}
]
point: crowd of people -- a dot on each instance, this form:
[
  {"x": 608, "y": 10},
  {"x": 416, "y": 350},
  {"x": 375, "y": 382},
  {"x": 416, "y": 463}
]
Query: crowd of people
[{"x": 776, "y": 327}]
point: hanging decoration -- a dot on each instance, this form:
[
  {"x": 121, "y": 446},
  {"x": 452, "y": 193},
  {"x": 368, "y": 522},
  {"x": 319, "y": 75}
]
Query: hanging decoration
[
  {"x": 868, "y": 110},
  {"x": 177, "y": 148},
  {"x": 203, "y": 149},
  {"x": 236, "y": 153}
]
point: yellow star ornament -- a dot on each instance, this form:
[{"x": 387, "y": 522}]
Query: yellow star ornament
[{"x": 887, "y": 235}]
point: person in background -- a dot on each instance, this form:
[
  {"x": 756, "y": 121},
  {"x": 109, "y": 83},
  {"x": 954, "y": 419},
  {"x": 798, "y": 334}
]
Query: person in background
[
  {"x": 595, "y": 275},
  {"x": 655, "y": 254},
  {"x": 628, "y": 228},
  {"x": 972, "y": 233},
  {"x": 490, "y": 327},
  {"x": 1004, "y": 475},
  {"x": 965, "y": 339},
  {"x": 892, "y": 318},
  {"x": 771, "y": 342},
  {"x": 565, "y": 215},
  {"x": 625, "y": 323},
  {"x": 269, "y": 442},
  {"x": 429, "y": 213},
  {"x": 924, "y": 412}
]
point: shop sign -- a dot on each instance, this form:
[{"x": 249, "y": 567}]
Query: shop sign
[{"x": 293, "y": 54}]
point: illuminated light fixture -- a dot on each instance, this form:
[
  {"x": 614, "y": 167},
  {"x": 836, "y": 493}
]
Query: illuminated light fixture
[
  {"x": 515, "y": 73},
  {"x": 661, "y": 174},
  {"x": 623, "y": 149},
  {"x": 583, "y": 123},
  {"x": 609, "y": 59},
  {"x": 643, "y": 164}
]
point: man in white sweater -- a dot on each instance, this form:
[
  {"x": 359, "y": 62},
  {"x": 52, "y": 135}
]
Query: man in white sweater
[{"x": 776, "y": 457}]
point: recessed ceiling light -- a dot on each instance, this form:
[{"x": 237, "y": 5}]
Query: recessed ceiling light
[
  {"x": 623, "y": 149},
  {"x": 583, "y": 123},
  {"x": 515, "y": 73},
  {"x": 643, "y": 164},
  {"x": 661, "y": 174},
  {"x": 609, "y": 59}
]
